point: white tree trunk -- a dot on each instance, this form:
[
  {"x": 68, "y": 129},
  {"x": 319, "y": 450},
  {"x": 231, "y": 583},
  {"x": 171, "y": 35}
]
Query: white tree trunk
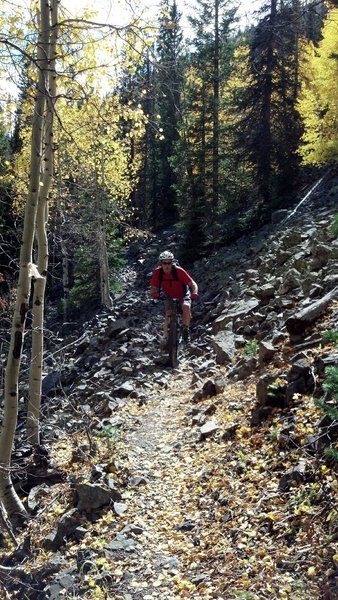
[
  {"x": 36, "y": 366},
  {"x": 10, "y": 500}
]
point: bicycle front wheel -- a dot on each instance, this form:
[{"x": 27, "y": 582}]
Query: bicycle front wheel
[{"x": 173, "y": 343}]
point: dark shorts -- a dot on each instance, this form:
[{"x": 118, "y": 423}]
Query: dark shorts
[{"x": 168, "y": 302}]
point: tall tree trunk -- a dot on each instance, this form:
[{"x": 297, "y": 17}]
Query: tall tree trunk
[
  {"x": 36, "y": 365},
  {"x": 61, "y": 204},
  {"x": 266, "y": 137},
  {"x": 102, "y": 240},
  {"x": 215, "y": 118},
  {"x": 8, "y": 496}
]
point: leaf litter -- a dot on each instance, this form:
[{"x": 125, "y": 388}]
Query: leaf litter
[{"x": 214, "y": 522}]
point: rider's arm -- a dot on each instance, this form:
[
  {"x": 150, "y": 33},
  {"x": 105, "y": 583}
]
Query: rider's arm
[
  {"x": 193, "y": 287},
  {"x": 153, "y": 290},
  {"x": 154, "y": 284}
]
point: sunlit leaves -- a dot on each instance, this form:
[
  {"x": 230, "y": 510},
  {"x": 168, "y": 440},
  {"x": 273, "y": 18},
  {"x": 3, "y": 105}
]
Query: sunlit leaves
[{"x": 318, "y": 102}]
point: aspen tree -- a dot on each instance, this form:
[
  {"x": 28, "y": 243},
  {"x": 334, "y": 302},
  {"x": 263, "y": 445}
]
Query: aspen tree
[
  {"x": 35, "y": 373},
  {"x": 28, "y": 271}
]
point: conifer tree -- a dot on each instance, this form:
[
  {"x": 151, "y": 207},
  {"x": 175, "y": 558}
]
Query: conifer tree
[
  {"x": 268, "y": 125},
  {"x": 199, "y": 157},
  {"x": 168, "y": 89},
  {"x": 161, "y": 76}
]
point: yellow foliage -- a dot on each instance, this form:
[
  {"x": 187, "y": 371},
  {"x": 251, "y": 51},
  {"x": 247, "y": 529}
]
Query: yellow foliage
[{"x": 318, "y": 103}]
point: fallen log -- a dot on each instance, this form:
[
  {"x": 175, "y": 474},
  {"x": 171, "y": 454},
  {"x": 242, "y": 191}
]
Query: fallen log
[{"x": 297, "y": 324}]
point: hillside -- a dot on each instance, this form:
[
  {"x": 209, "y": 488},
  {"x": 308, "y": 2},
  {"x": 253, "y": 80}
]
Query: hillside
[{"x": 210, "y": 481}]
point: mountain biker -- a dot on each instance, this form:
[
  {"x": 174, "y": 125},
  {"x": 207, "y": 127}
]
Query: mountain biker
[{"x": 175, "y": 282}]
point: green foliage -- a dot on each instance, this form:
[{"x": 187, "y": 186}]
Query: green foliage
[
  {"x": 330, "y": 336},
  {"x": 330, "y": 385},
  {"x": 109, "y": 433},
  {"x": 331, "y": 453},
  {"x": 274, "y": 435},
  {"x": 251, "y": 348},
  {"x": 85, "y": 293},
  {"x": 276, "y": 390},
  {"x": 331, "y": 382},
  {"x": 334, "y": 226},
  {"x": 330, "y": 409}
]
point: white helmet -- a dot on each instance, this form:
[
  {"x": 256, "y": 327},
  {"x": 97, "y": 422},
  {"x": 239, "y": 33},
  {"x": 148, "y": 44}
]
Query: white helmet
[{"x": 166, "y": 255}]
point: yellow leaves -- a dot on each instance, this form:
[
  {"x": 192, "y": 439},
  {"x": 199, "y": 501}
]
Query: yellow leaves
[
  {"x": 303, "y": 508},
  {"x": 332, "y": 517},
  {"x": 271, "y": 516},
  {"x": 183, "y": 584},
  {"x": 139, "y": 584},
  {"x": 242, "y": 431},
  {"x": 245, "y": 581},
  {"x": 317, "y": 104},
  {"x": 58, "y": 510}
]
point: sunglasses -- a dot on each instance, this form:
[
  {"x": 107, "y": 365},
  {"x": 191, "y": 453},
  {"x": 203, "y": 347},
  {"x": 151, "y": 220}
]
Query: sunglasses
[{"x": 166, "y": 262}]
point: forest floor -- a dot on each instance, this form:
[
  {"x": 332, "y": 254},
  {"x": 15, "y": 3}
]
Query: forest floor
[
  {"x": 211, "y": 506},
  {"x": 205, "y": 516}
]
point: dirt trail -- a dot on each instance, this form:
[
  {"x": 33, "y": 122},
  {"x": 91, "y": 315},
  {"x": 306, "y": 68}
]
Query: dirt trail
[{"x": 157, "y": 444}]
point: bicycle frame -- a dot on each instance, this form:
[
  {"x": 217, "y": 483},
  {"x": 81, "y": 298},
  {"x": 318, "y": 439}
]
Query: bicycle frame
[{"x": 173, "y": 334}]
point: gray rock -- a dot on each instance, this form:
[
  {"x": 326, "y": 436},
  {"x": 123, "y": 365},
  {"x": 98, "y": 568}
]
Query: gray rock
[
  {"x": 121, "y": 542},
  {"x": 266, "y": 352},
  {"x": 264, "y": 292},
  {"x": 116, "y": 327},
  {"x": 92, "y": 496},
  {"x": 124, "y": 390},
  {"x": 67, "y": 524},
  {"x": 120, "y": 508},
  {"x": 208, "y": 429},
  {"x": 235, "y": 311},
  {"x": 296, "y": 474},
  {"x": 224, "y": 346}
]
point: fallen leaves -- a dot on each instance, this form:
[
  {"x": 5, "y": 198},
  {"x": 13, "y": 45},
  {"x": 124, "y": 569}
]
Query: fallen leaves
[{"x": 246, "y": 539}]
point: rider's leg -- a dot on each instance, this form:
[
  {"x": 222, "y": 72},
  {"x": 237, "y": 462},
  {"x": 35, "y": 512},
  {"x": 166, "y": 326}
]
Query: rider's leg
[
  {"x": 186, "y": 318},
  {"x": 167, "y": 318},
  {"x": 186, "y": 315},
  {"x": 168, "y": 308}
]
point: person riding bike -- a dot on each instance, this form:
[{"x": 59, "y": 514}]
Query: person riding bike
[{"x": 175, "y": 282}]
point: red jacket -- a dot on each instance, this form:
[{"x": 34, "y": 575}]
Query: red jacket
[{"x": 172, "y": 287}]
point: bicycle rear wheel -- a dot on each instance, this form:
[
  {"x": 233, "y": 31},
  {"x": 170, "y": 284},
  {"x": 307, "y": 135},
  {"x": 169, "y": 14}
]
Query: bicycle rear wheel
[{"x": 173, "y": 342}]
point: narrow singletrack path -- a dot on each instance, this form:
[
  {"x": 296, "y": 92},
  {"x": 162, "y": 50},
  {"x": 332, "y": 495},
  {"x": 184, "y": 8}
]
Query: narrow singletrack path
[{"x": 160, "y": 453}]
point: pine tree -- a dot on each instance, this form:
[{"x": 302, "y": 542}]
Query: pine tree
[
  {"x": 199, "y": 156},
  {"x": 330, "y": 408},
  {"x": 168, "y": 82},
  {"x": 268, "y": 124}
]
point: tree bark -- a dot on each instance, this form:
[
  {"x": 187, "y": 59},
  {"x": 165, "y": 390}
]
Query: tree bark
[
  {"x": 36, "y": 365},
  {"x": 266, "y": 137},
  {"x": 215, "y": 118},
  {"x": 9, "y": 498},
  {"x": 102, "y": 240},
  {"x": 297, "y": 324}
]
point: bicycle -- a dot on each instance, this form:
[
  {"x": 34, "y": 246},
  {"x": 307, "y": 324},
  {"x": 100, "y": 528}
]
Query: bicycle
[{"x": 173, "y": 334}]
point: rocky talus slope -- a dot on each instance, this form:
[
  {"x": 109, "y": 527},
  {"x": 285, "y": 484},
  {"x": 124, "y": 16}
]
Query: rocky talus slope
[{"x": 210, "y": 481}]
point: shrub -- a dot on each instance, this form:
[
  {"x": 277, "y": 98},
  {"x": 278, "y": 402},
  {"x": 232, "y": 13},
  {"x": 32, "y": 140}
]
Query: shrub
[
  {"x": 334, "y": 226},
  {"x": 330, "y": 336},
  {"x": 251, "y": 348}
]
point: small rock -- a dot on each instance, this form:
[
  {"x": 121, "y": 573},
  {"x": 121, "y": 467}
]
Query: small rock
[{"x": 208, "y": 429}]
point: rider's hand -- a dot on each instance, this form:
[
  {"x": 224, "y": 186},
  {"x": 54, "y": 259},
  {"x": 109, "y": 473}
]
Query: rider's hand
[
  {"x": 194, "y": 296},
  {"x": 155, "y": 295}
]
